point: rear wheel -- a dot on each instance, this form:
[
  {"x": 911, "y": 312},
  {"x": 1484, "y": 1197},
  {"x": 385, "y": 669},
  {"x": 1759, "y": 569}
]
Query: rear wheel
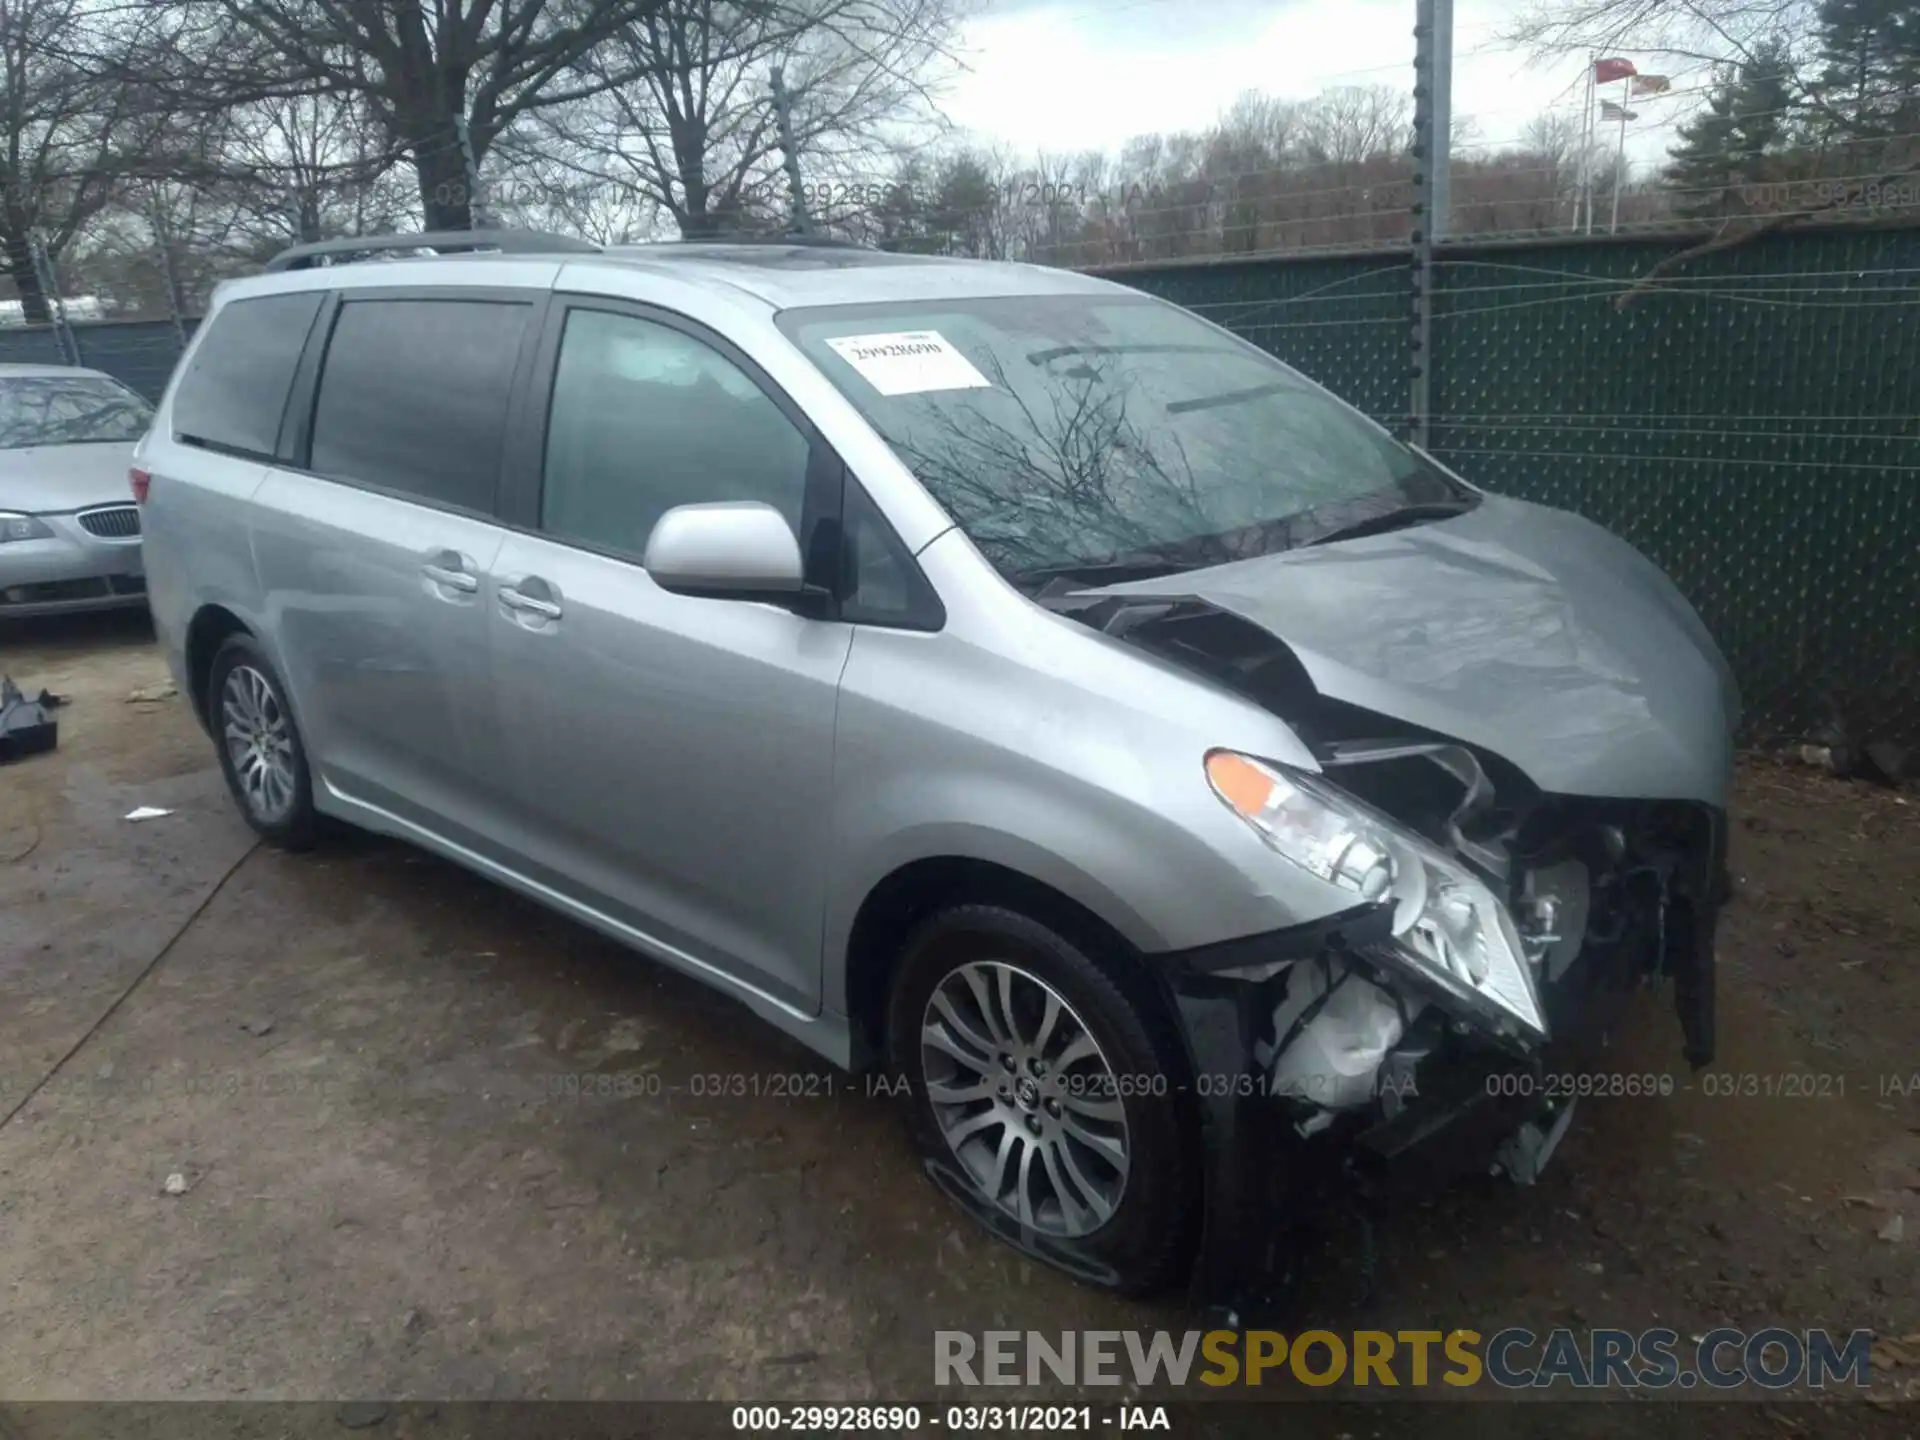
[
  {"x": 1044, "y": 1099},
  {"x": 260, "y": 749}
]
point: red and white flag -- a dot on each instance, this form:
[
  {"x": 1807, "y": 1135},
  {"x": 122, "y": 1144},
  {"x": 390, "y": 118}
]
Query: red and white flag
[{"x": 1605, "y": 72}]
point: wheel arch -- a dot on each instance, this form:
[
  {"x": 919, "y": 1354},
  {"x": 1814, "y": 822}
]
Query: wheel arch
[
  {"x": 902, "y": 899},
  {"x": 209, "y": 629}
]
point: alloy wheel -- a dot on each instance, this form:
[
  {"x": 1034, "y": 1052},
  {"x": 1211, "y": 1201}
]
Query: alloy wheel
[
  {"x": 259, "y": 742},
  {"x": 1025, "y": 1098}
]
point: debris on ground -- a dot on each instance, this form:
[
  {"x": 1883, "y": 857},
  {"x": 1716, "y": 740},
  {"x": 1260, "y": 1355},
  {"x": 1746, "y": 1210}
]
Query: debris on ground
[
  {"x": 1895, "y": 1229},
  {"x": 25, "y": 728},
  {"x": 175, "y": 1184},
  {"x": 165, "y": 690},
  {"x": 257, "y": 1027},
  {"x": 1888, "y": 760},
  {"x": 147, "y": 812},
  {"x": 1879, "y": 761},
  {"x": 1853, "y": 745}
]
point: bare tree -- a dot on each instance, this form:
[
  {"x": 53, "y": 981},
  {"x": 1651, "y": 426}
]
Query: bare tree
[
  {"x": 1530, "y": 187},
  {"x": 695, "y": 133},
  {"x": 304, "y": 167},
  {"x": 68, "y": 131},
  {"x": 443, "y": 82},
  {"x": 1352, "y": 124}
]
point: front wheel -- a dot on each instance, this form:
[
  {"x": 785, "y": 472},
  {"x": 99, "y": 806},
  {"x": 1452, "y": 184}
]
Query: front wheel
[{"x": 1044, "y": 1099}]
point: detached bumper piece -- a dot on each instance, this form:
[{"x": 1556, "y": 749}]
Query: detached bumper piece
[{"x": 25, "y": 727}]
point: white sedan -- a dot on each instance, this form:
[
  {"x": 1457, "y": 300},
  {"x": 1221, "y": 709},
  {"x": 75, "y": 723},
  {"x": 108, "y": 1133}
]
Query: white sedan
[{"x": 69, "y": 530}]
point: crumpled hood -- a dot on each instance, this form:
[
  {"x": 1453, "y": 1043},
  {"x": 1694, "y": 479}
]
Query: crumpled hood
[
  {"x": 1528, "y": 631},
  {"x": 49, "y": 479}
]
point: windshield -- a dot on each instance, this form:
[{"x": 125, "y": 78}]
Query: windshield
[
  {"x": 68, "y": 410},
  {"x": 1068, "y": 432}
]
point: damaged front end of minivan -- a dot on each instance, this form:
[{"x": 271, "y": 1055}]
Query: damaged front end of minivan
[{"x": 1442, "y": 1021}]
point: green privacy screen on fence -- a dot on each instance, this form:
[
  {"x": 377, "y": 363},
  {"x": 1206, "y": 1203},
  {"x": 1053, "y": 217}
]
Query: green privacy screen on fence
[{"x": 1752, "y": 425}]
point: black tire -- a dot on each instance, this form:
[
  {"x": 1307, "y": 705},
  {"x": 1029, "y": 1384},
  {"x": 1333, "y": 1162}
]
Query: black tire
[
  {"x": 1146, "y": 1241},
  {"x": 296, "y": 826}
]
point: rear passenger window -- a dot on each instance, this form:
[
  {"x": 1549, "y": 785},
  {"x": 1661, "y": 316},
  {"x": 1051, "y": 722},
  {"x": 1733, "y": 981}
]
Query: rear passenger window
[
  {"x": 235, "y": 388},
  {"x": 413, "y": 397},
  {"x": 645, "y": 418}
]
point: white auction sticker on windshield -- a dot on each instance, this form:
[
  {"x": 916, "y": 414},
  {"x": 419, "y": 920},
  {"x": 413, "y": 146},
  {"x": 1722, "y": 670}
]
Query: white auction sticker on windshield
[{"x": 909, "y": 362}]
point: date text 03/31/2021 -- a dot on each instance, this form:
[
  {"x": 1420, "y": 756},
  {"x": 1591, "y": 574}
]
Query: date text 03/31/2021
[{"x": 959, "y": 1419}]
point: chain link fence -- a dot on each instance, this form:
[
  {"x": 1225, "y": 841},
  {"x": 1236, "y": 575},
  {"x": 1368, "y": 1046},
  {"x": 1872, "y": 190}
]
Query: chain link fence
[
  {"x": 138, "y": 353},
  {"x": 1751, "y": 422}
]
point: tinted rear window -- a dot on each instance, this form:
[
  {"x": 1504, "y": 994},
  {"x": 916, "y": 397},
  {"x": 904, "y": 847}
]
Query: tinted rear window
[
  {"x": 413, "y": 396},
  {"x": 235, "y": 389}
]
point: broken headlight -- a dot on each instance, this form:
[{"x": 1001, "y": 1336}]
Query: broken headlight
[{"x": 1448, "y": 927}]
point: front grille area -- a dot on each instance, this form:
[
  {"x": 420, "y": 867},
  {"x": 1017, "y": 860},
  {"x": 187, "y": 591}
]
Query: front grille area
[{"x": 113, "y": 522}]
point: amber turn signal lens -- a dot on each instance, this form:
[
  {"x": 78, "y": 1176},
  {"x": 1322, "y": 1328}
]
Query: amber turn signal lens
[{"x": 1241, "y": 783}]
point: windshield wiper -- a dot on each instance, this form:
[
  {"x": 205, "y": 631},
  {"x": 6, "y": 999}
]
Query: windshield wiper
[
  {"x": 1398, "y": 518},
  {"x": 1103, "y": 572},
  {"x": 1231, "y": 397},
  {"x": 1060, "y": 352}
]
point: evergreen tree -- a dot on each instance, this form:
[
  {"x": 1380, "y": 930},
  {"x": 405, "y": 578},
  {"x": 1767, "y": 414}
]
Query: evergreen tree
[
  {"x": 1725, "y": 149},
  {"x": 1869, "y": 78},
  {"x": 949, "y": 206}
]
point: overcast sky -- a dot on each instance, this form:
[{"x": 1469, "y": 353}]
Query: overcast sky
[{"x": 1069, "y": 75}]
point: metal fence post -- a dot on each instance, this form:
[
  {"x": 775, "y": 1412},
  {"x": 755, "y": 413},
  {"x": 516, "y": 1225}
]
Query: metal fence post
[
  {"x": 169, "y": 277},
  {"x": 57, "y": 312},
  {"x": 1427, "y": 155}
]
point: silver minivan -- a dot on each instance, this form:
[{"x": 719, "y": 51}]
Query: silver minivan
[{"x": 990, "y": 675}]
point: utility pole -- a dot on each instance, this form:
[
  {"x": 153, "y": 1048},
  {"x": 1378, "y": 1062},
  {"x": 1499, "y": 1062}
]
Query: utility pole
[
  {"x": 1432, "y": 142},
  {"x": 796, "y": 191}
]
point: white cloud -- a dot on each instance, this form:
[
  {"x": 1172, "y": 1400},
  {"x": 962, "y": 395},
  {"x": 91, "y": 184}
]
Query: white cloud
[{"x": 1070, "y": 75}]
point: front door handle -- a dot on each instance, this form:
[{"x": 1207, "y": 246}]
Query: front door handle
[
  {"x": 450, "y": 570},
  {"x": 515, "y": 598},
  {"x": 452, "y": 579}
]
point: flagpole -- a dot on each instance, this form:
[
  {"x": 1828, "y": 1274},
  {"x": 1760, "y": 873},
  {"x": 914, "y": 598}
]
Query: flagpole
[
  {"x": 1586, "y": 154},
  {"x": 1620, "y": 157}
]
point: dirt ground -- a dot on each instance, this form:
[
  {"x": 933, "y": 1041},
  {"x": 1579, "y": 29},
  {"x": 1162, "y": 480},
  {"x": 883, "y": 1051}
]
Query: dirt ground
[{"x": 351, "y": 1058}]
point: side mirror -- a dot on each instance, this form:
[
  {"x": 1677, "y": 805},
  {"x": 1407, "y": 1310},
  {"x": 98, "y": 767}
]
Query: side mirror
[{"x": 733, "y": 550}]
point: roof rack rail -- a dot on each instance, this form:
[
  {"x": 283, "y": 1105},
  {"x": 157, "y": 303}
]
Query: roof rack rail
[
  {"x": 509, "y": 242},
  {"x": 771, "y": 237}
]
